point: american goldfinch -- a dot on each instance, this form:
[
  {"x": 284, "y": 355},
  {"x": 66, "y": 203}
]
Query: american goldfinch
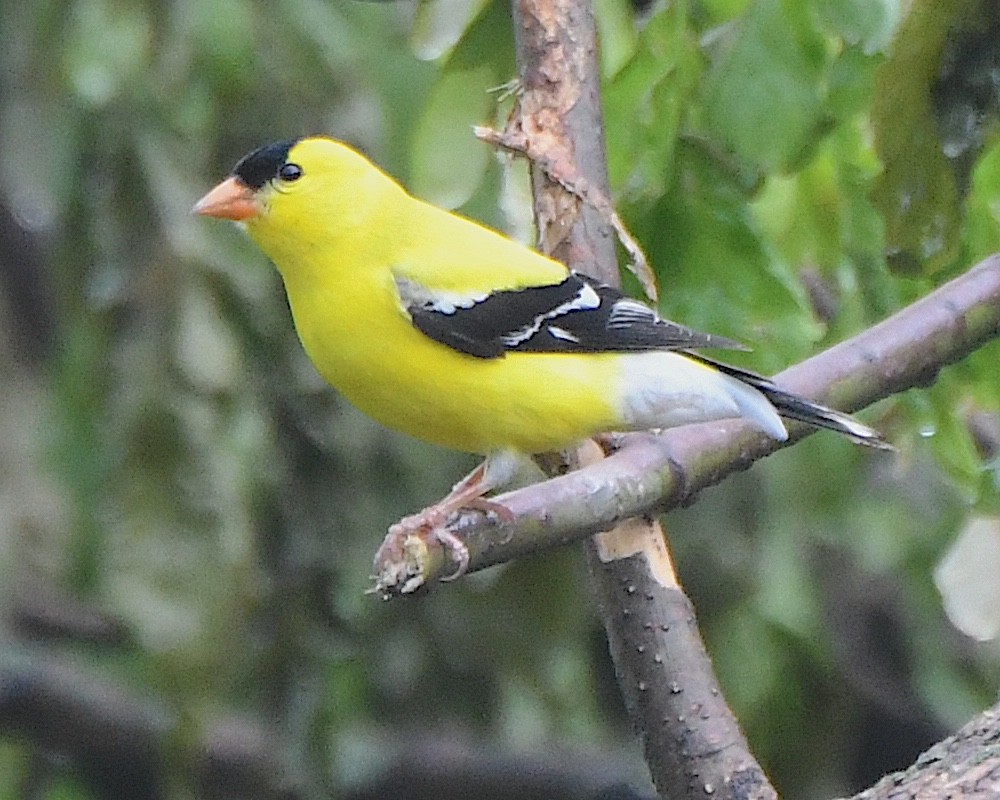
[{"x": 441, "y": 328}]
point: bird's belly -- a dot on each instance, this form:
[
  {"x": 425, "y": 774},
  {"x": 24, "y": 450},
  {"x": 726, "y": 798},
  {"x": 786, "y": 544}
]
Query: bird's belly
[
  {"x": 532, "y": 402},
  {"x": 528, "y": 402}
]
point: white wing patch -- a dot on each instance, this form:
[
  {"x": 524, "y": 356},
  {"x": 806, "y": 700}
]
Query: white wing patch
[
  {"x": 562, "y": 333},
  {"x": 412, "y": 294},
  {"x": 626, "y": 312},
  {"x": 586, "y": 299}
]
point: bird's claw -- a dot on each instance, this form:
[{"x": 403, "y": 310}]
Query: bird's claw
[
  {"x": 430, "y": 527},
  {"x": 457, "y": 550},
  {"x": 403, "y": 561},
  {"x": 491, "y": 508}
]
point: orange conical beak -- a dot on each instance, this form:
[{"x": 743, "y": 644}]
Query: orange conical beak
[{"x": 231, "y": 199}]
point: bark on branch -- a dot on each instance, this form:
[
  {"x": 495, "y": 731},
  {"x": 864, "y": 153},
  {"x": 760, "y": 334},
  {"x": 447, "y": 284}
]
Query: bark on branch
[
  {"x": 652, "y": 474},
  {"x": 965, "y": 766},
  {"x": 692, "y": 741}
]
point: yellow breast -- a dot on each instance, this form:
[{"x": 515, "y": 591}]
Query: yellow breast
[{"x": 408, "y": 382}]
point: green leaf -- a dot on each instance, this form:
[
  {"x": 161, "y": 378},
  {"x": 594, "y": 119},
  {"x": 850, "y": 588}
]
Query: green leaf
[
  {"x": 916, "y": 192},
  {"x": 717, "y": 271},
  {"x": 942, "y": 423},
  {"x": 981, "y": 233},
  {"x": 616, "y": 33},
  {"x": 821, "y": 218},
  {"x": 868, "y": 24},
  {"x": 722, "y": 10},
  {"x": 645, "y": 102},
  {"x": 447, "y": 161},
  {"x": 802, "y": 213},
  {"x": 849, "y": 84},
  {"x": 439, "y": 24},
  {"x": 764, "y": 93}
]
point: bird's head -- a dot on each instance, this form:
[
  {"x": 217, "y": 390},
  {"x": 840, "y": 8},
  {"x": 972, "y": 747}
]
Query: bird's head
[{"x": 299, "y": 191}]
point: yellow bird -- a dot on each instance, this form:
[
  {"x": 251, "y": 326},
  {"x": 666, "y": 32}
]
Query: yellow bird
[{"x": 441, "y": 328}]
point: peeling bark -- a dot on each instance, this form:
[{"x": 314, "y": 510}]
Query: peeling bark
[{"x": 692, "y": 741}]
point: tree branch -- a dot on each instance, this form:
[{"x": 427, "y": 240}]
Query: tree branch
[
  {"x": 965, "y": 766},
  {"x": 123, "y": 743},
  {"x": 655, "y": 473},
  {"x": 691, "y": 739}
]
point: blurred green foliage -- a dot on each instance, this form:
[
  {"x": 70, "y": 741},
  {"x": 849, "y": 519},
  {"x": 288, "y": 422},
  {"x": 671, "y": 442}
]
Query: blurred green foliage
[{"x": 168, "y": 455}]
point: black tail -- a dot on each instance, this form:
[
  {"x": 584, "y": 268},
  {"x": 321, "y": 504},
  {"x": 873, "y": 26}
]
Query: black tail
[{"x": 792, "y": 406}]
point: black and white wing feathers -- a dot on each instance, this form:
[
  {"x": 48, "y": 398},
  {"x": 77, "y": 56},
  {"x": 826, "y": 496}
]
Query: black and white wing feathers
[
  {"x": 577, "y": 315},
  {"x": 582, "y": 315}
]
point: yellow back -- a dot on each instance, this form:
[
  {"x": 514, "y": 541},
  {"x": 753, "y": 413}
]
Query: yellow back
[{"x": 361, "y": 219}]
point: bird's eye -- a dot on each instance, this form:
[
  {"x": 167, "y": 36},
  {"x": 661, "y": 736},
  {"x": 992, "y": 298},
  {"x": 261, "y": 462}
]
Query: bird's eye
[{"x": 290, "y": 172}]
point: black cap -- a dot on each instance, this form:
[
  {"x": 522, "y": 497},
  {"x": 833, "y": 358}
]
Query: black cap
[{"x": 257, "y": 168}]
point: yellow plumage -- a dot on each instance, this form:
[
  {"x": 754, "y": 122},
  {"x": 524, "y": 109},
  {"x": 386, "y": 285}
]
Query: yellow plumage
[
  {"x": 447, "y": 331},
  {"x": 402, "y": 307},
  {"x": 361, "y": 228}
]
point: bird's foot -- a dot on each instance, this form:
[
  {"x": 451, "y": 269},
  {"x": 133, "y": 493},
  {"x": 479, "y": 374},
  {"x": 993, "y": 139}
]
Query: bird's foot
[
  {"x": 407, "y": 557},
  {"x": 429, "y": 527},
  {"x": 491, "y": 508}
]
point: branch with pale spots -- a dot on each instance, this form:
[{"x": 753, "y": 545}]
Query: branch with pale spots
[{"x": 654, "y": 473}]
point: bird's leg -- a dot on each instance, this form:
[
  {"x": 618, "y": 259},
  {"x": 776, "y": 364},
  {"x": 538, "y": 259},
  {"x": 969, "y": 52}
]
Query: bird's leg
[
  {"x": 470, "y": 492},
  {"x": 496, "y": 470}
]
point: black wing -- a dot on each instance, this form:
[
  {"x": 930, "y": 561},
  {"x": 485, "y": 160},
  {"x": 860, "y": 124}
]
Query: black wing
[{"x": 577, "y": 315}]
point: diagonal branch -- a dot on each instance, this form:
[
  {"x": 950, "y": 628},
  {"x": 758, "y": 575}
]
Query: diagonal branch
[
  {"x": 656, "y": 473},
  {"x": 691, "y": 739}
]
